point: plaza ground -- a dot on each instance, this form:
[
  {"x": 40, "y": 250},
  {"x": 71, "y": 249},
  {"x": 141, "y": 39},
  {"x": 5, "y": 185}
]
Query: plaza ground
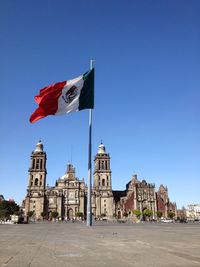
[{"x": 59, "y": 244}]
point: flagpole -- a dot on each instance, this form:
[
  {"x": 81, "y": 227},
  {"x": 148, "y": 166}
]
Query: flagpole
[{"x": 89, "y": 208}]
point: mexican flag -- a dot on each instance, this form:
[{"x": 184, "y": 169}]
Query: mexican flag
[{"x": 65, "y": 97}]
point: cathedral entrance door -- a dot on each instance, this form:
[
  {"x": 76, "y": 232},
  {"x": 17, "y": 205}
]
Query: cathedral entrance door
[{"x": 70, "y": 214}]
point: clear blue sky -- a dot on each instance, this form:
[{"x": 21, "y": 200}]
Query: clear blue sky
[{"x": 147, "y": 90}]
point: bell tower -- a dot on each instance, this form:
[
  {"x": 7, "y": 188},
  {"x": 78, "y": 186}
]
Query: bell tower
[
  {"x": 102, "y": 172},
  {"x": 37, "y": 170},
  {"x": 35, "y": 199},
  {"x": 102, "y": 186}
]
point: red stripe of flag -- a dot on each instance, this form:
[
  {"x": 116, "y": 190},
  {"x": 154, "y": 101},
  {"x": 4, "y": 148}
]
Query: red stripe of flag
[{"x": 47, "y": 101}]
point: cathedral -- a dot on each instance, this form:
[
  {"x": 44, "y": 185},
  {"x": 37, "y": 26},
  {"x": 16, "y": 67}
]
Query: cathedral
[{"x": 69, "y": 195}]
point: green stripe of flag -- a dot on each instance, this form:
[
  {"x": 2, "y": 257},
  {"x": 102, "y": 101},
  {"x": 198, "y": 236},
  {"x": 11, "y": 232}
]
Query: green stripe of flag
[{"x": 86, "y": 99}]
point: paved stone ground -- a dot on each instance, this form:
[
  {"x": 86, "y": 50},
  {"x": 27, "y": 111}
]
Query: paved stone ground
[{"x": 104, "y": 244}]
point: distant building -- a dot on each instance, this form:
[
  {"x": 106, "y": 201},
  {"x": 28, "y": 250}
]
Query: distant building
[
  {"x": 69, "y": 195},
  {"x": 137, "y": 196},
  {"x": 163, "y": 202},
  {"x": 181, "y": 214},
  {"x": 193, "y": 211}
]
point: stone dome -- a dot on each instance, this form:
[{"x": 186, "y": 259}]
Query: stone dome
[
  {"x": 101, "y": 149},
  {"x": 39, "y": 147}
]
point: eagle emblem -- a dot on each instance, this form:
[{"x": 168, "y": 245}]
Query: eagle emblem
[{"x": 70, "y": 94}]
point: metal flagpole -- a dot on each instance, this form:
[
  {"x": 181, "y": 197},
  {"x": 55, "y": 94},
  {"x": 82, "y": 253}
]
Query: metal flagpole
[{"x": 89, "y": 208}]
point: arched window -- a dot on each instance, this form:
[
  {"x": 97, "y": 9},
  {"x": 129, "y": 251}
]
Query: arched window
[
  {"x": 106, "y": 165},
  {"x": 36, "y": 181},
  {"x": 102, "y": 165},
  {"x": 37, "y": 163},
  {"x": 33, "y": 163},
  {"x": 40, "y": 180},
  {"x": 103, "y": 182},
  {"x": 31, "y": 180}
]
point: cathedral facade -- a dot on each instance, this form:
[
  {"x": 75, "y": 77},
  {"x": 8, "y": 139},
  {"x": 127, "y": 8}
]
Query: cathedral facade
[{"x": 68, "y": 198}]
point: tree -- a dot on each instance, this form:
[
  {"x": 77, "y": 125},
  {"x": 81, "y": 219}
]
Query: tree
[
  {"x": 44, "y": 214},
  {"x": 159, "y": 214},
  {"x": 137, "y": 213},
  {"x": 4, "y": 214},
  {"x": 125, "y": 214},
  {"x": 171, "y": 214},
  {"x": 79, "y": 214},
  {"x": 30, "y": 213},
  {"x": 147, "y": 213},
  {"x": 54, "y": 214},
  {"x": 8, "y": 208}
]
